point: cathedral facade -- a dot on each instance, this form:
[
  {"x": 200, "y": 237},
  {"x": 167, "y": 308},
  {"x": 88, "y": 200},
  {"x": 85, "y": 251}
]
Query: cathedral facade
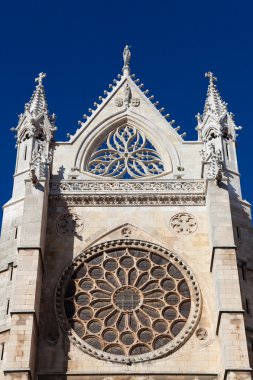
[{"x": 126, "y": 252}]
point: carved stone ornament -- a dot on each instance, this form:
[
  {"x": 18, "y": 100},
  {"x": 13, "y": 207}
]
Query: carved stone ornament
[
  {"x": 128, "y": 301},
  {"x": 69, "y": 224},
  {"x": 126, "y": 55},
  {"x": 126, "y": 153},
  {"x": 183, "y": 223},
  {"x": 189, "y": 187},
  {"x": 118, "y": 102},
  {"x": 129, "y": 200},
  {"x": 201, "y": 334},
  {"x": 135, "y": 102},
  {"x": 126, "y": 231}
]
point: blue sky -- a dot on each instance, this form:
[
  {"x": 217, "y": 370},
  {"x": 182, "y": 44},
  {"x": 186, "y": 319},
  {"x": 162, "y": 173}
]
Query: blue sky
[{"x": 79, "y": 45}]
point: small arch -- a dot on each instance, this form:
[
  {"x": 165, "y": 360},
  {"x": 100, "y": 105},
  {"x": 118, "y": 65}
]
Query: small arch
[
  {"x": 211, "y": 134},
  {"x": 25, "y": 134}
]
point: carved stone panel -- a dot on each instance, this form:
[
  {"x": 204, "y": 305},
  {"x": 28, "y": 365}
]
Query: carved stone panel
[
  {"x": 135, "y": 102},
  {"x": 183, "y": 223},
  {"x": 119, "y": 102},
  {"x": 69, "y": 224}
]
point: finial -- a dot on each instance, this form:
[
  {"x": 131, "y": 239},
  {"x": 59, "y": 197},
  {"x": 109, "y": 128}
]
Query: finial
[
  {"x": 40, "y": 78},
  {"x": 126, "y": 60},
  {"x": 211, "y": 77}
]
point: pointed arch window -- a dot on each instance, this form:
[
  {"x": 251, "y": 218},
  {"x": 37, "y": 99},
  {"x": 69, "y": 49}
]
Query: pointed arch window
[{"x": 125, "y": 153}]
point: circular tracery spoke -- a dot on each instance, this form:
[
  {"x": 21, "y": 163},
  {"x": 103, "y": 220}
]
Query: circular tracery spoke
[{"x": 131, "y": 301}]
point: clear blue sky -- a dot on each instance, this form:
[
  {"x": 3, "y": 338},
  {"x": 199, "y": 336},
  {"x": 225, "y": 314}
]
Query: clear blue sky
[{"x": 79, "y": 45}]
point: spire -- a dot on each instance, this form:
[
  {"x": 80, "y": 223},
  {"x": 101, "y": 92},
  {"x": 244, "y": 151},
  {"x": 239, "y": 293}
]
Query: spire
[
  {"x": 214, "y": 102},
  {"x": 36, "y": 119},
  {"x": 38, "y": 101},
  {"x": 126, "y": 59}
]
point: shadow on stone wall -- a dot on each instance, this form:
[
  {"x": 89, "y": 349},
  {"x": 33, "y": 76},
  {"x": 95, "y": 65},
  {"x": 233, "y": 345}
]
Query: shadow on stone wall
[
  {"x": 243, "y": 237},
  {"x": 54, "y": 345}
]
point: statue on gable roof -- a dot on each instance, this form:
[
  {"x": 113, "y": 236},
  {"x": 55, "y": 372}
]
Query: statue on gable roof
[{"x": 127, "y": 55}]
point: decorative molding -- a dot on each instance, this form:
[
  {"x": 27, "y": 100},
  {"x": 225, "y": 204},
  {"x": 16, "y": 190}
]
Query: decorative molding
[
  {"x": 183, "y": 224},
  {"x": 129, "y": 200},
  {"x": 66, "y": 186},
  {"x": 127, "y": 193}
]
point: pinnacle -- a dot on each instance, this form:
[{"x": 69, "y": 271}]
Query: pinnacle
[
  {"x": 214, "y": 102},
  {"x": 38, "y": 101}
]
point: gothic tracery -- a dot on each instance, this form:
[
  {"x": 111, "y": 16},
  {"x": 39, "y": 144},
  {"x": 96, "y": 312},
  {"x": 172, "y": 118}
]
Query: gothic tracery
[
  {"x": 126, "y": 153},
  {"x": 129, "y": 299}
]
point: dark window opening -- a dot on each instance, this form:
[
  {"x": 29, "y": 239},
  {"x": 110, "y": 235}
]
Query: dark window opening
[
  {"x": 243, "y": 273},
  {"x": 7, "y": 307},
  {"x": 16, "y": 232},
  {"x": 2, "y": 351},
  {"x": 10, "y": 267},
  {"x": 25, "y": 153},
  {"x": 247, "y": 305},
  {"x": 227, "y": 151}
]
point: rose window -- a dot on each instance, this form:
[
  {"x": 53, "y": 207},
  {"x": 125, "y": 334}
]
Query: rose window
[
  {"x": 128, "y": 301},
  {"x": 126, "y": 153}
]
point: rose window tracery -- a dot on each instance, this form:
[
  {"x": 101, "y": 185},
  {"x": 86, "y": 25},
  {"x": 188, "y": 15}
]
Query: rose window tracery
[
  {"x": 126, "y": 153},
  {"x": 128, "y": 301}
]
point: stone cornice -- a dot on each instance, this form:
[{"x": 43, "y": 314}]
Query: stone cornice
[
  {"x": 127, "y": 193},
  {"x": 129, "y": 199}
]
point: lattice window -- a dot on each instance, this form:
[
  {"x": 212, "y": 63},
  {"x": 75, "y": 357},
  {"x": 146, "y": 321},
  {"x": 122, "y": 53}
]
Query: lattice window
[
  {"x": 130, "y": 300},
  {"x": 125, "y": 153}
]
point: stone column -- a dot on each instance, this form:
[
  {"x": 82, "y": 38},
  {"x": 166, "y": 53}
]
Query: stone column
[
  {"x": 229, "y": 319},
  {"x": 21, "y": 349}
]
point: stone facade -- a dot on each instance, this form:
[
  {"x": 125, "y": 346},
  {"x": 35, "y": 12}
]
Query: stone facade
[{"x": 126, "y": 251}]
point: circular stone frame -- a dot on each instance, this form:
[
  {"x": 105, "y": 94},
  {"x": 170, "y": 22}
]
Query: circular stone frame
[{"x": 174, "y": 344}]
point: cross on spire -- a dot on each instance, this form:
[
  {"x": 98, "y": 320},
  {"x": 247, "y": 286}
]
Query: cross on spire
[
  {"x": 214, "y": 102},
  {"x": 40, "y": 78},
  {"x": 211, "y": 77}
]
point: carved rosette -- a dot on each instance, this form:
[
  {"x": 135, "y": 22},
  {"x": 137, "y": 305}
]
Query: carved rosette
[
  {"x": 202, "y": 334},
  {"x": 183, "y": 224},
  {"x": 68, "y": 224},
  {"x": 128, "y": 301}
]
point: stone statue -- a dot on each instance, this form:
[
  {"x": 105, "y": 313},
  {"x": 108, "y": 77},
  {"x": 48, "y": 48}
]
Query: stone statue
[
  {"x": 127, "y": 94},
  {"x": 126, "y": 55}
]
